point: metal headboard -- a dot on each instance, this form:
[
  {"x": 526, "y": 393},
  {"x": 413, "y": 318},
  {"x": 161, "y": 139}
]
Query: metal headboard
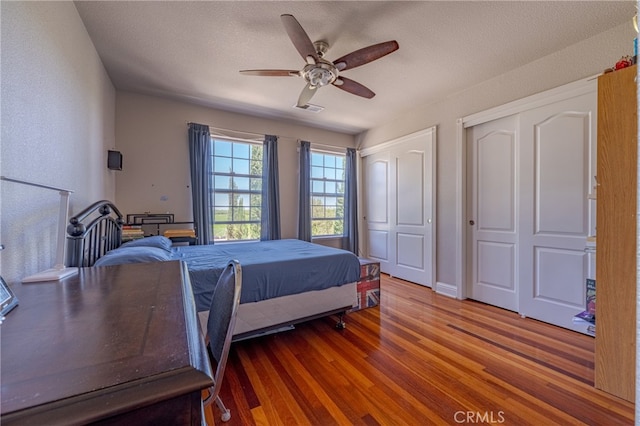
[{"x": 92, "y": 233}]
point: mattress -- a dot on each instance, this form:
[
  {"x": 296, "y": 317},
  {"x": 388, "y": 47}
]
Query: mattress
[
  {"x": 282, "y": 312},
  {"x": 270, "y": 269}
]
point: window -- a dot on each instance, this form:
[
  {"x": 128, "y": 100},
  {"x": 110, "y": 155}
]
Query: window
[
  {"x": 327, "y": 194},
  {"x": 237, "y": 190}
]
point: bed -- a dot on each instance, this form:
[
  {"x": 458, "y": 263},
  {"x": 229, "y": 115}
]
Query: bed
[{"x": 285, "y": 282}]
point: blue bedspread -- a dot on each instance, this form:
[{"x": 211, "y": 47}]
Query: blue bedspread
[{"x": 269, "y": 268}]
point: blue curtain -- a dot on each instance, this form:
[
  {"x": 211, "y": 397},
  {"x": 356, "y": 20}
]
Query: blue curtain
[
  {"x": 200, "y": 162},
  {"x": 351, "y": 202},
  {"x": 304, "y": 201},
  {"x": 270, "y": 215}
]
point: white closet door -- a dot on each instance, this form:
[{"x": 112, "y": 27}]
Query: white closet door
[
  {"x": 400, "y": 182},
  {"x": 492, "y": 227},
  {"x": 558, "y": 165},
  {"x": 528, "y": 210},
  {"x": 376, "y": 199}
]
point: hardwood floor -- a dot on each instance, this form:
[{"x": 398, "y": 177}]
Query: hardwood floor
[{"x": 418, "y": 359}]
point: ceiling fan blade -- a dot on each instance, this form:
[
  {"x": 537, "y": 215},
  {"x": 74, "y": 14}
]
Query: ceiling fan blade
[
  {"x": 306, "y": 95},
  {"x": 365, "y": 55},
  {"x": 272, "y": 73},
  {"x": 353, "y": 87},
  {"x": 299, "y": 37}
]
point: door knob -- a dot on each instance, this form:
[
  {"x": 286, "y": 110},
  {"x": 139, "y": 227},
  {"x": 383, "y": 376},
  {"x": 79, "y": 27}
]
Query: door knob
[{"x": 471, "y": 222}]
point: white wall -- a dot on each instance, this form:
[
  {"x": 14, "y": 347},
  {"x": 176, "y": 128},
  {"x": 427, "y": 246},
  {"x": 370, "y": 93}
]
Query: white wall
[
  {"x": 151, "y": 133},
  {"x": 58, "y": 112},
  {"x": 581, "y": 60}
]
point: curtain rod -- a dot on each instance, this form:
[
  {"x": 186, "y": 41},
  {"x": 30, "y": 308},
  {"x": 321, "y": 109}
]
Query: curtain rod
[
  {"x": 222, "y": 129},
  {"x": 333, "y": 147}
]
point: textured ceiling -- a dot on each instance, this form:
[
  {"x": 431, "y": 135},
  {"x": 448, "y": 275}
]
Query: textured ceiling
[{"x": 193, "y": 50}]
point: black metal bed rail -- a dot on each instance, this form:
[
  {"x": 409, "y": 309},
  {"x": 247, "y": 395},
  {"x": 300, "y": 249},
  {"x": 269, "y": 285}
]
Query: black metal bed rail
[{"x": 93, "y": 232}]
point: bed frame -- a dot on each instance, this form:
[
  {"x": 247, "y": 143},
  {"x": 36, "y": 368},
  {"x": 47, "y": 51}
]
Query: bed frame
[
  {"x": 92, "y": 233},
  {"x": 98, "y": 229}
]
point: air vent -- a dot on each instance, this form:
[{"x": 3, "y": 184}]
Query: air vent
[{"x": 310, "y": 107}]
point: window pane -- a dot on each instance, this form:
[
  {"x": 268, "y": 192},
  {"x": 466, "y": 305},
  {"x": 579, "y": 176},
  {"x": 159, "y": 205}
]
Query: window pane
[
  {"x": 236, "y": 199},
  {"x": 219, "y": 232},
  {"x": 222, "y": 148},
  {"x": 256, "y": 200},
  {"x": 317, "y": 211},
  {"x": 221, "y": 182},
  {"x": 241, "y": 166},
  {"x": 330, "y": 161},
  {"x": 241, "y": 183},
  {"x": 256, "y": 184},
  {"x": 317, "y": 172},
  {"x": 317, "y": 159},
  {"x": 255, "y": 213},
  {"x": 222, "y": 214},
  {"x": 240, "y": 214},
  {"x": 322, "y": 228},
  {"x": 317, "y": 186},
  {"x": 222, "y": 164},
  {"x": 220, "y": 200},
  {"x": 244, "y": 200},
  {"x": 256, "y": 167},
  {"x": 234, "y": 232},
  {"x": 330, "y": 173},
  {"x": 327, "y": 187},
  {"x": 241, "y": 150}
]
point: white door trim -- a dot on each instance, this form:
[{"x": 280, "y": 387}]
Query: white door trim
[
  {"x": 569, "y": 90},
  {"x": 386, "y": 145},
  {"x": 556, "y": 94}
]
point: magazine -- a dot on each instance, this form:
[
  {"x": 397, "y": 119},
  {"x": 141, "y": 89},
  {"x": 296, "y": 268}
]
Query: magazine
[
  {"x": 591, "y": 296},
  {"x": 585, "y": 316}
]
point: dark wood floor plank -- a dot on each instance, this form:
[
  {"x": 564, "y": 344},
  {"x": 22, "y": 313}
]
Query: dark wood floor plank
[{"x": 419, "y": 358}]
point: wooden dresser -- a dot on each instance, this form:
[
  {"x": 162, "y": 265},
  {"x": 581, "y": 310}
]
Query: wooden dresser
[
  {"x": 116, "y": 344},
  {"x": 616, "y": 264}
]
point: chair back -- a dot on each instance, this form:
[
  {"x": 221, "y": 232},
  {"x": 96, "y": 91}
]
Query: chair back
[{"x": 222, "y": 316}]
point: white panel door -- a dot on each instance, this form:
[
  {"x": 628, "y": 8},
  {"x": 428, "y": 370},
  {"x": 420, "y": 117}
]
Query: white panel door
[
  {"x": 492, "y": 227},
  {"x": 412, "y": 218},
  {"x": 528, "y": 209},
  {"x": 558, "y": 167},
  {"x": 376, "y": 199},
  {"x": 399, "y": 207}
]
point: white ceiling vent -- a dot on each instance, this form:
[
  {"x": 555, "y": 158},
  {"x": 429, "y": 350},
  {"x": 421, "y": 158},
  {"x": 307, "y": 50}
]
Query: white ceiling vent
[{"x": 310, "y": 107}]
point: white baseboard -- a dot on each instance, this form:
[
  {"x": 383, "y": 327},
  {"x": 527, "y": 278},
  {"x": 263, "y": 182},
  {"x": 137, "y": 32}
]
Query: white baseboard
[{"x": 450, "y": 290}]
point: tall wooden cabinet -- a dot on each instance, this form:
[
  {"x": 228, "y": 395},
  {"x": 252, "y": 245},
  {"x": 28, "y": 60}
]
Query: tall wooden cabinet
[{"x": 616, "y": 234}]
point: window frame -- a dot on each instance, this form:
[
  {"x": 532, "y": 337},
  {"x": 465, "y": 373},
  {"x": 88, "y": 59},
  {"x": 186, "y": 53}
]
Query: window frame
[
  {"x": 339, "y": 183},
  {"x": 237, "y": 193}
]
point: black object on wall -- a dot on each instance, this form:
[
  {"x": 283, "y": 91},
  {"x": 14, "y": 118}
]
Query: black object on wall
[{"x": 114, "y": 160}]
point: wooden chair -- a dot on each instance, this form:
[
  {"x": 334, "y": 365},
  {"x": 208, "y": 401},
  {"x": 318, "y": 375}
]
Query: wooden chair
[{"x": 220, "y": 324}]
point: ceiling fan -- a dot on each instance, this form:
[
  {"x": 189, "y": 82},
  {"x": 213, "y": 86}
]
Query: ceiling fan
[{"x": 319, "y": 72}]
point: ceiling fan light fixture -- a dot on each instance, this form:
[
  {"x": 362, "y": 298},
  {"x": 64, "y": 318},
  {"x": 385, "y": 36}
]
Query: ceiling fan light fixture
[
  {"x": 320, "y": 77},
  {"x": 320, "y": 74}
]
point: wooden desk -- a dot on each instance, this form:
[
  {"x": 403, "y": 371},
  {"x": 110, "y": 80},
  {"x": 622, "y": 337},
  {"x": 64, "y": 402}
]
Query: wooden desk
[{"x": 112, "y": 344}]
